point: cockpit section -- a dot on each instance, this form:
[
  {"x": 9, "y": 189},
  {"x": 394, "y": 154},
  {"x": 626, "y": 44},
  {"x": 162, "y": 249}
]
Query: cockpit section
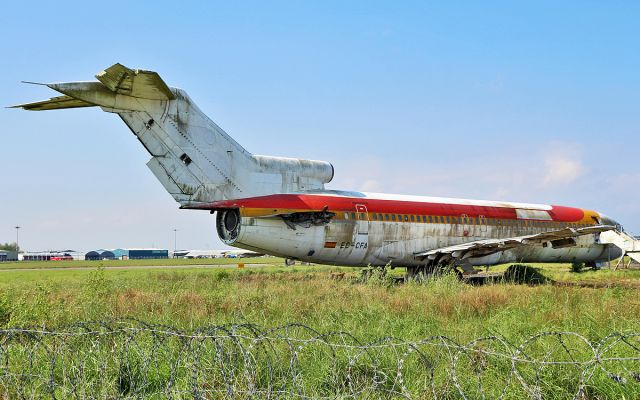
[{"x": 606, "y": 220}]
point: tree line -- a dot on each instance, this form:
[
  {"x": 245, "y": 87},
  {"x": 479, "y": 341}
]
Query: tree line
[{"x": 9, "y": 246}]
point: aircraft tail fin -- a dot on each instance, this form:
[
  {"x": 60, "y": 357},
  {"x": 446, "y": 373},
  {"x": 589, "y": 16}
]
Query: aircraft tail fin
[
  {"x": 136, "y": 83},
  {"x": 194, "y": 159}
]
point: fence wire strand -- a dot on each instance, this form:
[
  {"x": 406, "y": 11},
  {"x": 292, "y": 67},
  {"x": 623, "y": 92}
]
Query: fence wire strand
[{"x": 134, "y": 359}]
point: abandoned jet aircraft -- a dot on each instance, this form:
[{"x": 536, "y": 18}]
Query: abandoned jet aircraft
[{"x": 280, "y": 206}]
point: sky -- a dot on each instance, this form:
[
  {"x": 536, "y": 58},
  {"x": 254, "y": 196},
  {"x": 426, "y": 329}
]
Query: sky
[{"x": 530, "y": 101}]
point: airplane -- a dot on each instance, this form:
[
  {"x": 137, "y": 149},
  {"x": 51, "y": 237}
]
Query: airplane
[{"x": 280, "y": 206}]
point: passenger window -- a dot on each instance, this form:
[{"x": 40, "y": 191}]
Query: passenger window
[
  {"x": 375, "y": 216},
  {"x": 442, "y": 220},
  {"x": 412, "y": 218},
  {"x": 393, "y": 217},
  {"x": 406, "y": 218},
  {"x": 346, "y": 215},
  {"x": 424, "y": 218},
  {"x": 353, "y": 215},
  {"x": 386, "y": 217},
  {"x": 380, "y": 217},
  {"x": 430, "y": 219},
  {"x": 363, "y": 216},
  {"x": 448, "y": 220},
  {"x": 400, "y": 218}
]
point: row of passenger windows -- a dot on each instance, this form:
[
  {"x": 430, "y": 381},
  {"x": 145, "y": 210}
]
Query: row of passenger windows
[{"x": 455, "y": 220}]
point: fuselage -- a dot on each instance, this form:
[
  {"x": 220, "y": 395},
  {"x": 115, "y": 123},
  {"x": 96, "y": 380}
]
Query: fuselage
[{"x": 377, "y": 229}]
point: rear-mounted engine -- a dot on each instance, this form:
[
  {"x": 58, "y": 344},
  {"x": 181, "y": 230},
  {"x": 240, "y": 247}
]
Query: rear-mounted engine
[{"x": 228, "y": 225}]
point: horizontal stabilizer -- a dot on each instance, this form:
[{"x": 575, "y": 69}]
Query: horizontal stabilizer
[
  {"x": 54, "y": 103},
  {"x": 136, "y": 83}
]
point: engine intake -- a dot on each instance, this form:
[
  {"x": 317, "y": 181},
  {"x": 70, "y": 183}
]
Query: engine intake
[{"x": 228, "y": 225}]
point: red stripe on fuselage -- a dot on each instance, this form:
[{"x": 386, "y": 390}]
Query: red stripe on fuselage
[{"x": 347, "y": 204}]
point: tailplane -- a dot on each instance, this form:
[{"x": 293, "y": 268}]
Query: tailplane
[{"x": 194, "y": 159}]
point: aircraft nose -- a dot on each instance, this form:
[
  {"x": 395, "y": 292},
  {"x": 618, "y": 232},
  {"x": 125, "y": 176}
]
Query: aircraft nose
[{"x": 607, "y": 220}]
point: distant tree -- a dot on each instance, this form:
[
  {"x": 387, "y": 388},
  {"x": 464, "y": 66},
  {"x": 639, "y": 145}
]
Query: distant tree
[{"x": 9, "y": 246}]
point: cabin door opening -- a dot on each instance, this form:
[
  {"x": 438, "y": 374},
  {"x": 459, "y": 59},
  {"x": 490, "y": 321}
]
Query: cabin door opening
[
  {"x": 360, "y": 242},
  {"x": 363, "y": 219}
]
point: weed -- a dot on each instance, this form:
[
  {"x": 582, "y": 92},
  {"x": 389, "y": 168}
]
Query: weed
[
  {"x": 519, "y": 273},
  {"x": 577, "y": 267},
  {"x": 5, "y": 309}
]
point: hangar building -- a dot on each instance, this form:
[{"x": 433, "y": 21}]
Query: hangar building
[
  {"x": 8, "y": 255},
  {"x": 139, "y": 254},
  {"x": 95, "y": 255}
]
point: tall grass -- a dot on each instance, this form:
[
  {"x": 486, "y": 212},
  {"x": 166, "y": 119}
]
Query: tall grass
[{"x": 274, "y": 296}]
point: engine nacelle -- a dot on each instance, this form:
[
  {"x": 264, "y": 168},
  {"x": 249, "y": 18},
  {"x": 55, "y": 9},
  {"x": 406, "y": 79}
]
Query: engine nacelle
[
  {"x": 228, "y": 223},
  {"x": 283, "y": 237}
]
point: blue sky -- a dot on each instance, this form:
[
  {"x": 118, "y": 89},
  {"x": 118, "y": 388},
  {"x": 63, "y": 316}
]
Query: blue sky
[{"x": 527, "y": 101}]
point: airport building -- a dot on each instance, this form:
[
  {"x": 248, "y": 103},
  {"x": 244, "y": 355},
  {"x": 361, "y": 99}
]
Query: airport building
[
  {"x": 138, "y": 254},
  {"x": 126, "y": 254},
  {"x": 215, "y": 254},
  {"x": 102, "y": 254},
  {"x": 94, "y": 255},
  {"x": 58, "y": 255},
  {"x": 8, "y": 255}
]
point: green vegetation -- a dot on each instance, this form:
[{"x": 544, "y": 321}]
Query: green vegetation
[
  {"x": 9, "y": 246},
  {"x": 577, "y": 266},
  {"x": 137, "y": 263},
  {"x": 327, "y": 300},
  {"x": 275, "y": 294}
]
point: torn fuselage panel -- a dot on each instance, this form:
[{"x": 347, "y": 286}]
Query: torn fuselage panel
[{"x": 308, "y": 219}]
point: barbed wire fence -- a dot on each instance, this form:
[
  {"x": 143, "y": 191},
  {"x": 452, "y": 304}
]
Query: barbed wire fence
[{"x": 132, "y": 359}]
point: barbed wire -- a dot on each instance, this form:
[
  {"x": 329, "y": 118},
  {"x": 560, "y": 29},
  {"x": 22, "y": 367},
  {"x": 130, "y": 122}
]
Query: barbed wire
[{"x": 133, "y": 359}]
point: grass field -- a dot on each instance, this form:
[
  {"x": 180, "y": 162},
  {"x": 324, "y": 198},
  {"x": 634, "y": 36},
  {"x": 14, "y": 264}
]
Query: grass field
[
  {"x": 273, "y": 295},
  {"x": 137, "y": 263}
]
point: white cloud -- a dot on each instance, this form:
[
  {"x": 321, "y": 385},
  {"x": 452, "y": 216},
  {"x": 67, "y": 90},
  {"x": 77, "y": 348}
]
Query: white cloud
[
  {"x": 562, "y": 169},
  {"x": 370, "y": 185}
]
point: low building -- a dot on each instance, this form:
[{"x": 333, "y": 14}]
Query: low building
[
  {"x": 215, "y": 254},
  {"x": 57, "y": 255},
  {"x": 8, "y": 255},
  {"x": 97, "y": 255},
  {"x": 107, "y": 255},
  {"x": 139, "y": 254},
  {"x": 198, "y": 253},
  {"x": 92, "y": 256}
]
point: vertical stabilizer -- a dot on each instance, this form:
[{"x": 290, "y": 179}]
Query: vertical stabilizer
[{"x": 192, "y": 157}]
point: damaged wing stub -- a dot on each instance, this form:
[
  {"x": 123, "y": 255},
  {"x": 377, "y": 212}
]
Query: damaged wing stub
[
  {"x": 560, "y": 238},
  {"x": 308, "y": 219}
]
